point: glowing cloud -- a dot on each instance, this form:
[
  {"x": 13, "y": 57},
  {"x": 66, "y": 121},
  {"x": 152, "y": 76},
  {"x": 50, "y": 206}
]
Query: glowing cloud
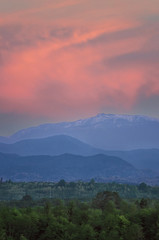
[{"x": 68, "y": 59}]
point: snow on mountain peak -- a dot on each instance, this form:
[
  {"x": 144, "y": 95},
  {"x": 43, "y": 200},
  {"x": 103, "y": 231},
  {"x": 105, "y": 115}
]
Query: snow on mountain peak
[
  {"x": 101, "y": 122},
  {"x": 130, "y": 118}
]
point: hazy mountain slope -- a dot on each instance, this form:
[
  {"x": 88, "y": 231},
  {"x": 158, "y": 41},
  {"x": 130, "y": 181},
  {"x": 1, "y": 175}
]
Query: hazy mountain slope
[
  {"x": 54, "y": 145},
  {"x": 106, "y": 131},
  {"x": 66, "y": 166},
  {"x": 140, "y": 158},
  {"x": 4, "y": 139}
]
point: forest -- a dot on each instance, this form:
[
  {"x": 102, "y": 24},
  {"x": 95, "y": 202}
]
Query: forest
[
  {"x": 105, "y": 217},
  {"x": 78, "y": 211}
]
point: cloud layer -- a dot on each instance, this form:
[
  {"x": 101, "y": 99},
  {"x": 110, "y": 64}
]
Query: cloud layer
[{"x": 62, "y": 60}]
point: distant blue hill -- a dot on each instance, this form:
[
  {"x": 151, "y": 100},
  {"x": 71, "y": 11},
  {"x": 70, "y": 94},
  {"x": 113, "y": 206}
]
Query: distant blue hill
[
  {"x": 69, "y": 167},
  {"x": 105, "y": 131},
  {"x": 54, "y": 145},
  {"x": 60, "y": 144},
  {"x": 140, "y": 158}
]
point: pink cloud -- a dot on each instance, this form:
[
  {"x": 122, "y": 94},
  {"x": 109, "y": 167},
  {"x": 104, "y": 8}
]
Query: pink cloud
[{"x": 70, "y": 67}]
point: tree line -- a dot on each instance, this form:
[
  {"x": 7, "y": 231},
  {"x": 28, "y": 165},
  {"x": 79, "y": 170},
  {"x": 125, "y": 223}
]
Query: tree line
[{"x": 70, "y": 190}]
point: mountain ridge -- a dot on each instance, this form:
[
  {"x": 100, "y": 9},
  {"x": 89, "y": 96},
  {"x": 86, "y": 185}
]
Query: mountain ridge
[
  {"x": 140, "y": 158},
  {"x": 105, "y": 131},
  {"x": 66, "y": 166},
  {"x": 54, "y": 145}
]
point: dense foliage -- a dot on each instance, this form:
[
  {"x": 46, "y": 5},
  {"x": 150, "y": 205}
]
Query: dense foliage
[
  {"x": 106, "y": 217},
  {"x": 73, "y": 190}
]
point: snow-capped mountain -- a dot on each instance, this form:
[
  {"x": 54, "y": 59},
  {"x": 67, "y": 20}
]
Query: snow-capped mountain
[{"x": 107, "y": 131}]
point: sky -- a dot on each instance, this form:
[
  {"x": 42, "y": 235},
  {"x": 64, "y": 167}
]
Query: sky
[{"x": 63, "y": 60}]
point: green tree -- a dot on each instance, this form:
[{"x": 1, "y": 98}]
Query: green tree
[
  {"x": 61, "y": 183},
  {"x": 103, "y": 198}
]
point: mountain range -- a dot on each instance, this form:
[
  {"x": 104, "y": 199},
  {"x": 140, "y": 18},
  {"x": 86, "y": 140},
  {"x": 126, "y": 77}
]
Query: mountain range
[
  {"x": 68, "y": 167},
  {"x": 54, "y": 145},
  {"x": 140, "y": 158},
  {"x": 61, "y": 144},
  {"x": 105, "y": 131},
  {"x": 107, "y": 147}
]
